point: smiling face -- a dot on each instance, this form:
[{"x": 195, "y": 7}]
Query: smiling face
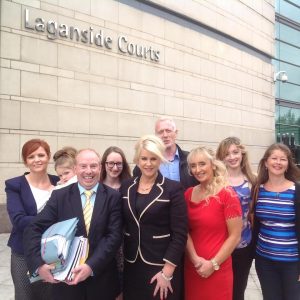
[
  {"x": 114, "y": 165},
  {"x": 37, "y": 161},
  {"x": 148, "y": 163},
  {"x": 87, "y": 168},
  {"x": 277, "y": 163},
  {"x": 233, "y": 157},
  {"x": 201, "y": 168}
]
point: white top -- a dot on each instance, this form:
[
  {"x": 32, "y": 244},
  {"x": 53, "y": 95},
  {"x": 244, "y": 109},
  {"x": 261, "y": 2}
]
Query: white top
[
  {"x": 70, "y": 181},
  {"x": 40, "y": 196}
]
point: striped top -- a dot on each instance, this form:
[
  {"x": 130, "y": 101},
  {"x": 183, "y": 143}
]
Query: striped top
[{"x": 277, "y": 238}]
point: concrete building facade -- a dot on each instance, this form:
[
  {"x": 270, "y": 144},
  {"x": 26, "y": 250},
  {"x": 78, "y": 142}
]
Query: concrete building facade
[{"x": 95, "y": 73}]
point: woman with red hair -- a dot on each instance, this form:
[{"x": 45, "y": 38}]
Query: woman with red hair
[{"x": 26, "y": 196}]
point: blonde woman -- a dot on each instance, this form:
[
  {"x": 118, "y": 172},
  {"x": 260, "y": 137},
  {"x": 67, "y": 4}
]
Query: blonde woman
[
  {"x": 235, "y": 157},
  {"x": 215, "y": 224},
  {"x": 155, "y": 228}
]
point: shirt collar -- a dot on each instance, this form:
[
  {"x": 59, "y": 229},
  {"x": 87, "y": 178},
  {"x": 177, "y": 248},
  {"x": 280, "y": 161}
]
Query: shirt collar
[{"x": 82, "y": 189}]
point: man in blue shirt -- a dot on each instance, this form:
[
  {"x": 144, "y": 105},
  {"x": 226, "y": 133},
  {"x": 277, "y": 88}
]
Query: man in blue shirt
[
  {"x": 176, "y": 168},
  {"x": 103, "y": 228}
]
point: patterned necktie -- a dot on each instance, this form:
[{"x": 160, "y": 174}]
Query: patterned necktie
[{"x": 88, "y": 210}]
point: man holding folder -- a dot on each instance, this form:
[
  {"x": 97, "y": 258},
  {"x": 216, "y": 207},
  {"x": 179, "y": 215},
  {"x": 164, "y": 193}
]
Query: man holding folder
[{"x": 99, "y": 211}]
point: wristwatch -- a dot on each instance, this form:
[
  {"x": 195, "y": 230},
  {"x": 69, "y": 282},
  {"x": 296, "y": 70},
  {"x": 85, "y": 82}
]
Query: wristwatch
[{"x": 216, "y": 266}]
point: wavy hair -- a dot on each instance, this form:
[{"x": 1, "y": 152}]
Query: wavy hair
[
  {"x": 292, "y": 173},
  {"x": 219, "y": 179},
  {"x": 222, "y": 151}
]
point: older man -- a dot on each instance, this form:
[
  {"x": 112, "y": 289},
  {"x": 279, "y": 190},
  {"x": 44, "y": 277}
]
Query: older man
[
  {"x": 176, "y": 168},
  {"x": 98, "y": 277}
]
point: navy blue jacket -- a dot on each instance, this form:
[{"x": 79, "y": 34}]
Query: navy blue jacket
[{"x": 21, "y": 208}]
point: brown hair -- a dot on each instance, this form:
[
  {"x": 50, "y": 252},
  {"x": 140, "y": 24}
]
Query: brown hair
[
  {"x": 125, "y": 174},
  {"x": 32, "y": 145},
  {"x": 66, "y": 155},
  {"x": 292, "y": 173},
  {"x": 245, "y": 164}
]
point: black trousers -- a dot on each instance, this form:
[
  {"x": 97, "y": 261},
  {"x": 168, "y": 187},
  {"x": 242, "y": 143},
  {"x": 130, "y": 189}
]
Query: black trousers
[
  {"x": 278, "y": 280},
  {"x": 241, "y": 264}
]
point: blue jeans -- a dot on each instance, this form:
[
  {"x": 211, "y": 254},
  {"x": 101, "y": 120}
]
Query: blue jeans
[{"x": 278, "y": 280}]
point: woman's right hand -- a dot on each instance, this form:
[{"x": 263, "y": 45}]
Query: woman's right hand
[{"x": 163, "y": 286}]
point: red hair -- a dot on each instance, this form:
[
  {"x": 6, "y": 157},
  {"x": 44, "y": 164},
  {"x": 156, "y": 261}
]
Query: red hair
[{"x": 32, "y": 145}]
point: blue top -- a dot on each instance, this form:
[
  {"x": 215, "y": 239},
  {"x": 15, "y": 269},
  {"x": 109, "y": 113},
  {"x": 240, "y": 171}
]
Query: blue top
[
  {"x": 243, "y": 191},
  {"x": 277, "y": 238},
  {"x": 171, "y": 169}
]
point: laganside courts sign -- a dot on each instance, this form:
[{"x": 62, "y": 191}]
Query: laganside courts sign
[{"x": 54, "y": 30}]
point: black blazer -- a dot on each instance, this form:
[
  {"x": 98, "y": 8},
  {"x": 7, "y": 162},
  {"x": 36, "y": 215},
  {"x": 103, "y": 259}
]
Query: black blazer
[
  {"x": 104, "y": 235},
  {"x": 159, "y": 234},
  {"x": 21, "y": 208}
]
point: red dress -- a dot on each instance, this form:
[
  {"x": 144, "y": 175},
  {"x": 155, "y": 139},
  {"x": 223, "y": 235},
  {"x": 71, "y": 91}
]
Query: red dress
[{"x": 208, "y": 230}]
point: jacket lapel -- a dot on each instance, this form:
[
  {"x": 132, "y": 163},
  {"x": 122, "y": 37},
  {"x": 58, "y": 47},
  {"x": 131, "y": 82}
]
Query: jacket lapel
[
  {"x": 26, "y": 190},
  {"x": 98, "y": 206},
  {"x": 131, "y": 197},
  {"x": 76, "y": 206},
  {"x": 154, "y": 194}
]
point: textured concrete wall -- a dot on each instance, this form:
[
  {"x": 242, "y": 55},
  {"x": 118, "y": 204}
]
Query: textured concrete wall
[{"x": 71, "y": 93}]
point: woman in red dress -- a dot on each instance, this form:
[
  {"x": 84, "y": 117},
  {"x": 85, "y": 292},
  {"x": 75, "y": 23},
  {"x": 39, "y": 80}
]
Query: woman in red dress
[{"x": 215, "y": 225}]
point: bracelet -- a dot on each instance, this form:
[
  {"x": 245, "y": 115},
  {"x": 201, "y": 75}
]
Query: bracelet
[{"x": 165, "y": 277}]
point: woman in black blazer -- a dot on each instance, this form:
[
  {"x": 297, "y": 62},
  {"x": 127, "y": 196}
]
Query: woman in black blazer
[
  {"x": 155, "y": 228},
  {"x": 26, "y": 196}
]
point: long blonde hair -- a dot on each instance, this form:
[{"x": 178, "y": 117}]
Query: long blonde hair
[
  {"x": 220, "y": 176},
  {"x": 245, "y": 164}
]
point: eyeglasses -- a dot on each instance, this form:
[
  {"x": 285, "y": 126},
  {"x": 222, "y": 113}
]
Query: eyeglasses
[{"x": 111, "y": 164}]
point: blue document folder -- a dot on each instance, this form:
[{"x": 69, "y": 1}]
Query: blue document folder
[{"x": 56, "y": 243}]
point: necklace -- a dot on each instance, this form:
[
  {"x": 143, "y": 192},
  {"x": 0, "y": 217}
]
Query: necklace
[{"x": 145, "y": 188}]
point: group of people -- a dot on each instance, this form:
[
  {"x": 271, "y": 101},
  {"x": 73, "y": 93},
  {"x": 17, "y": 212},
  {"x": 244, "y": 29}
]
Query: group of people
[{"x": 183, "y": 226}]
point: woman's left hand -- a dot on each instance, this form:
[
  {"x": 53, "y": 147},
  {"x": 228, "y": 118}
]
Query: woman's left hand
[
  {"x": 162, "y": 285},
  {"x": 205, "y": 269}
]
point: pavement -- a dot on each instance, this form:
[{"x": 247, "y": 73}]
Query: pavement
[{"x": 253, "y": 291}]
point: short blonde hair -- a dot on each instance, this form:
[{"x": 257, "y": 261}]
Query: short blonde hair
[{"x": 152, "y": 144}]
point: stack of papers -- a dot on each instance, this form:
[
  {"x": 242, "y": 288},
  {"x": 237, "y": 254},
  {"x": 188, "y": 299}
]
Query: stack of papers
[
  {"x": 60, "y": 248},
  {"x": 77, "y": 256}
]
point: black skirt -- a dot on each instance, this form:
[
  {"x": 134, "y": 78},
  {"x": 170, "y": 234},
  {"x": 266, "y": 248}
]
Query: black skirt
[{"x": 137, "y": 277}]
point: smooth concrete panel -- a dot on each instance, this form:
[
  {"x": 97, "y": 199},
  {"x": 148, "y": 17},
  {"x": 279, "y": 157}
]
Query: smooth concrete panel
[
  {"x": 73, "y": 120},
  {"x": 10, "y": 45},
  {"x": 74, "y": 91},
  {"x": 38, "y": 51},
  {"x": 9, "y": 114},
  {"x": 9, "y": 143},
  {"x": 38, "y": 116},
  {"x": 104, "y": 122},
  {"x": 37, "y": 85},
  {"x": 10, "y": 81}
]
